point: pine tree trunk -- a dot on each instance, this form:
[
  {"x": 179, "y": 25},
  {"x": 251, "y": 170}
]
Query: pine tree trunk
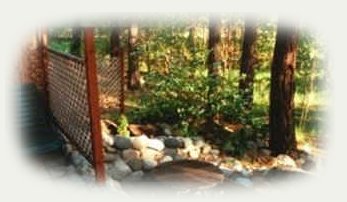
[
  {"x": 133, "y": 70},
  {"x": 248, "y": 61},
  {"x": 282, "y": 126},
  {"x": 115, "y": 42},
  {"x": 75, "y": 48},
  {"x": 213, "y": 63}
]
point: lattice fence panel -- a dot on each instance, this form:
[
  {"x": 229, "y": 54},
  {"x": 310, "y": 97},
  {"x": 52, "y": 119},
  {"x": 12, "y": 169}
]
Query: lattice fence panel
[
  {"x": 67, "y": 85},
  {"x": 109, "y": 80}
]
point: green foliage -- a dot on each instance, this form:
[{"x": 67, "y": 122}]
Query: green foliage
[{"x": 123, "y": 124}]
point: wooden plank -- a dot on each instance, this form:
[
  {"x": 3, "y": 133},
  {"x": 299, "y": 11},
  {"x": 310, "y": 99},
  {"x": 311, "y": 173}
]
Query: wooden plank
[{"x": 93, "y": 100}]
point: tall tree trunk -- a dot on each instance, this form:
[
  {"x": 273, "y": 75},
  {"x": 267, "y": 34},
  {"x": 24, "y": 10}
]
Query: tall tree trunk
[
  {"x": 115, "y": 48},
  {"x": 248, "y": 61},
  {"x": 213, "y": 62},
  {"x": 282, "y": 126},
  {"x": 133, "y": 70},
  {"x": 75, "y": 48}
]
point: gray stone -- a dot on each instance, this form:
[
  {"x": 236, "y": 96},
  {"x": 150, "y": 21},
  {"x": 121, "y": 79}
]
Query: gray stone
[
  {"x": 206, "y": 149},
  {"x": 135, "y": 164},
  {"x": 119, "y": 169},
  {"x": 150, "y": 154},
  {"x": 130, "y": 154},
  {"x": 140, "y": 142},
  {"x": 134, "y": 177},
  {"x": 166, "y": 159},
  {"x": 156, "y": 144},
  {"x": 149, "y": 164},
  {"x": 109, "y": 157},
  {"x": 121, "y": 142},
  {"x": 178, "y": 157},
  {"x": 77, "y": 158},
  {"x": 173, "y": 143},
  {"x": 67, "y": 149},
  {"x": 170, "y": 152}
]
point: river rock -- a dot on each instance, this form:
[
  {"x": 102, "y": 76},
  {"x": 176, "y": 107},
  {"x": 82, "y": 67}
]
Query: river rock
[
  {"x": 140, "y": 142},
  {"x": 121, "y": 142},
  {"x": 156, "y": 144},
  {"x": 109, "y": 157},
  {"x": 134, "y": 177},
  {"x": 150, "y": 154},
  {"x": 135, "y": 164},
  {"x": 170, "y": 152},
  {"x": 194, "y": 153},
  {"x": 119, "y": 169},
  {"x": 173, "y": 143},
  {"x": 130, "y": 154},
  {"x": 166, "y": 159},
  {"x": 187, "y": 142},
  {"x": 149, "y": 164}
]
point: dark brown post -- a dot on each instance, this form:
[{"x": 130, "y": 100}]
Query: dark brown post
[
  {"x": 93, "y": 100},
  {"x": 122, "y": 82}
]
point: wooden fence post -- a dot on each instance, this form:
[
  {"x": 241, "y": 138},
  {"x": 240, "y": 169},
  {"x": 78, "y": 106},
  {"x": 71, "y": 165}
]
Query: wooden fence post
[
  {"x": 93, "y": 100},
  {"x": 43, "y": 44}
]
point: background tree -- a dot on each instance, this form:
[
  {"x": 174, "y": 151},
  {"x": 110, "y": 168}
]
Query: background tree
[
  {"x": 133, "y": 69},
  {"x": 248, "y": 61},
  {"x": 115, "y": 42},
  {"x": 282, "y": 127},
  {"x": 75, "y": 48},
  {"x": 213, "y": 61}
]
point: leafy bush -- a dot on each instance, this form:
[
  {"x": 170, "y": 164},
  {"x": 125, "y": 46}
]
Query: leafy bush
[{"x": 123, "y": 124}]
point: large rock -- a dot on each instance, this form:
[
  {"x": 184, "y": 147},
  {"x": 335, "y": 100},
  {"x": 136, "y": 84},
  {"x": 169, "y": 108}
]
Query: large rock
[
  {"x": 140, "y": 142},
  {"x": 135, "y": 164},
  {"x": 150, "y": 154},
  {"x": 156, "y": 144},
  {"x": 149, "y": 164},
  {"x": 130, "y": 154},
  {"x": 121, "y": 142},
  {"x": 119, "y": 169},
  {"x": 173, "y": 143}
]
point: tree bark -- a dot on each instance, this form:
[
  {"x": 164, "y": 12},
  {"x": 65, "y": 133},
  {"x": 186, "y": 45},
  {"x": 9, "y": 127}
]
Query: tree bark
[
  {"x": 213, "y": 62},
  {"x": 75, "y": 48},
  {"x": 133, "y": 70},
  {"x": 282, "y": 126},
  {"x": 248, "y": 61},
  {"x": 115, "y": 42}
]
